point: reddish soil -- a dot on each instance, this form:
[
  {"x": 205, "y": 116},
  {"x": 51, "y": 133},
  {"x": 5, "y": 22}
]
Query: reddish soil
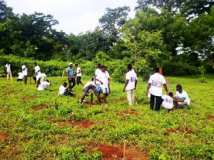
[
  {"x": 128, "y": 112},
  {"x": 3, "y": 136},
  {"x": 115, "y": 152},
  {"x": 81, "y": 124},
  {"x": 210, "y": 117},
  {"x": 28, "y": 98},
  {"x": 185, "y": 130},
  {"x": 40, "y": 107}
]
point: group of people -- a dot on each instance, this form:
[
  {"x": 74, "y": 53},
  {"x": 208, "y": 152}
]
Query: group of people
[{"x": 99, "y": 85}]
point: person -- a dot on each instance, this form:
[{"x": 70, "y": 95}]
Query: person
[
  {"x": 40, "y": 77},
  {"x": 98, "y": 70},
  {"x": 36, "y": 71},
  {"x": 25, "y": 73},
  {"x": 181, "y": 98},
  {"x": 20, "y": 77},
  {"x": 130, "y": 84},
  {"x": 8, "y": 71},
  {"x": 71, "y": 76},
  {"x": 63, "y": 89},
  {"x": 43, "y": 85},
  {"x": 102, "y": 81},
  {"x": 168, "y": 101},
  {"x": 78, "y": 74},
  {"x": 155, "y": 85},
  {"x": 89, "y": 87}
]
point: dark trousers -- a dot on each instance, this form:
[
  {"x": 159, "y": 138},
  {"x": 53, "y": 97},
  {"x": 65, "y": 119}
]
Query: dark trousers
[
  {"x": 79, "y": 80},
  {"x": 72, "y": 83},
  {"x": 155, "y": 102},
  {"x": 25, "y": 79}
]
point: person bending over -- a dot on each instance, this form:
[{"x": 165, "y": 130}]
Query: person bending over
[
  {"x": 43, "y": 85},
  {"x": 168, "y": 101}
]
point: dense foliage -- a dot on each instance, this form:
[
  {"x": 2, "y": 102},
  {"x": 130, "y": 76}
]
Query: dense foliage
[{"x": 162, "y": 32}]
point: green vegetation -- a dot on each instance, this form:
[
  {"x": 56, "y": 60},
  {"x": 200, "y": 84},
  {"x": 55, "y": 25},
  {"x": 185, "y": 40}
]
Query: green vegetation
[{"x": 40, "y": 125}]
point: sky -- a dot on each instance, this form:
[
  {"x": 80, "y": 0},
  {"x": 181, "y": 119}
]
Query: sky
[{"x": 74, "y": 16}]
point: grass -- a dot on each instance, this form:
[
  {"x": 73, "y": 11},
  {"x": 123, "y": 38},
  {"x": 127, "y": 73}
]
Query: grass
[{"x": 40, "y": 125}]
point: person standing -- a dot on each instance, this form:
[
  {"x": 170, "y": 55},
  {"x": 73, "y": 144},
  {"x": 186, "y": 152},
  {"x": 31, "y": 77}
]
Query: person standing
[
  {"x": 36, "y": 71},
  {"x": 71, "y": 76},
  {"x": 8, "y": 71},
  {"x": 155, "y": 85},
  {"x": 25, "y": 73},
  {"x": 130, "y": 84},
  {"x": 78, "y": 74}
]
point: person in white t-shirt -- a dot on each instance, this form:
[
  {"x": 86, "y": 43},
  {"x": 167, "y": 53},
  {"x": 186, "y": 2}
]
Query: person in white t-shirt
[
  {"x": 8, "y": 71},
  {"x": 168, "y": 101},
  {"x": 36, "y": 71},
  {"x": 130, "y": 84},
  {"x": 78, "y": 74},
  {"x": 40, "y": 78},
  {"x": 155, "y": 84},
  {"x": 104, "y": 79},
  {"x": 25, "y": 73},
  {"x": 43, "y": 85},
  {"x": 63, "y": 89},
  {"x": 182, "y": 99}
]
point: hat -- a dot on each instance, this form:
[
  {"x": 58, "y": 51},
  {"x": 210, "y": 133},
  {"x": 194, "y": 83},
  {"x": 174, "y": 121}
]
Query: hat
[{"x": 70, "y": 64}]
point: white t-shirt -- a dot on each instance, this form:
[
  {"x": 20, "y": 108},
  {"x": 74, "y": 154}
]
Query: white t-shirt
[
  {"x": 157, "y": 81},
  {"x": 20, "y": 75},
  {"x": 131, "y": 76},
  {"x": 43, "y": 85},
  {"x": 184, "y": 96},
  {"x": 104, "y": 78},
  {"x": 167, "y": 102},
  {"x": 62, "y": 90},
  {"x": 79, "y": 72},
  {"x": 36, "y": 69},
  {"x": 8, "y": 69},
  {"x": 89, "y": 83},
  {"x": 24, "y": 70},
  {"x": 41, "y": 76}
]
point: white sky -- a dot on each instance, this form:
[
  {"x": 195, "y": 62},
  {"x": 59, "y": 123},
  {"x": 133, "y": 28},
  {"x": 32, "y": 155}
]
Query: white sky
[{"x": 74, "y": 16}]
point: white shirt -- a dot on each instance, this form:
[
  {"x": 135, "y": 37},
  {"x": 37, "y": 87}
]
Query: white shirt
[
  {"x": 167, "y": 102},
  {"x": 89, "y": 83},
  {"x": 43, "y": 85},
  {"x": 62, "y": 90},
  {"x": 184, "y": 96},
  {"x": 36, "y": 69},
  {"x": 41, "y": 76},
  {"x": 8, "y": 69},
  {"x": 20, "y": 75},
  {"x": 104, "y": 78},
  {"x": 24, "y": 71},
  {"x": 79, "y": 73},
  {"x": 131, "y": 77},
  {"x": 156, "y": 81}
]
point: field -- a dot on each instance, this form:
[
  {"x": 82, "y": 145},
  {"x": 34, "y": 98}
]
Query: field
[{"x": 41, "y": 125}]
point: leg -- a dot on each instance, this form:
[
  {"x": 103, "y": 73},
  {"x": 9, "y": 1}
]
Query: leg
[
  {"x": 25, "y": 79},
  {"x": 129, "y": 97},
  {"x": 133, "y": 96},
  {"x": 158, "y": 102},
  {"x": 152, "y": 102}
]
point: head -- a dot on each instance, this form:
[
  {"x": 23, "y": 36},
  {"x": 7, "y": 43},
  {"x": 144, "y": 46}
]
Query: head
[
  {"x": 156, "y": 70},
  {"x": 103, "y": 68},
  {"x": 92, "y": 79},
  {"x": 70, "y": 65},
  {"x": 179, "y": 88},
  {"x": 47, "y": 81},
  {"x": 170, "y": 94},
  {"x": 35, "y": 64},
  {"x": 65, "y": 84},
  {"x": 99, "y": 65},
  {"x": 129, "y": 67},
  {"x": 76, "y": 65}
]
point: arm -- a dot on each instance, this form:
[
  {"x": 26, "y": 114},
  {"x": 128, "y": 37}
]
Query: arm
[
  {"x": 126, "y": 83},
  {"x": 166, "y": 88},
  {"x": 136, "y": 84},
  {"x": 148, "y": 87}
]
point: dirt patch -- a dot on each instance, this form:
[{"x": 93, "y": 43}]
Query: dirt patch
[
  {"x": 116, "y": 152},
  {"x": 210, "y": 117},
  {"x": 40, "y": 107},
  {"x": 185, "y": 130},
  {"x": 10, "y": 152},
  {"x": 128, "y": 112},
  {"x": 28, "y": 98},
  {"x": 3, "y": 136},
  {"x": 120, "y": 100},
  {"x": 62, "y": 139},
  {"x": 80, "y": 124}
]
